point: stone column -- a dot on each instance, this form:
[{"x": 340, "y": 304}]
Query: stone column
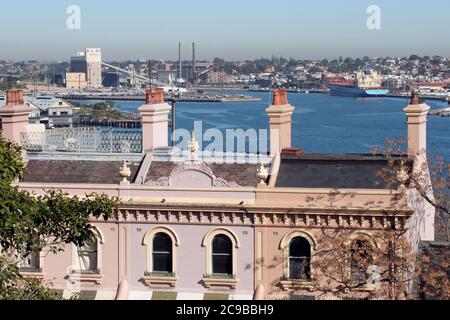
[
  {"x": 14, "y": 116},
  {"x": 155, "y": 121},
  {"x": 280, "y": 121},
  {"x": 416, "y": 113}
]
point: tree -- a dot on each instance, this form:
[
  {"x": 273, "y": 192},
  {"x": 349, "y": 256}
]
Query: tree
[
  {"x": 29, "y": 224},
  {"x": 349, "y": 263}
]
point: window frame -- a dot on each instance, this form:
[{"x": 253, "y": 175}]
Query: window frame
[
  {"x": 160, "y": 278},
  {"x": 74, "y": 272},
  {"x": 286, "y": 282},
  {"x": 170, "y": 253},
  {"x": 300, "y": 257},
  {"x": 210, "y": 279},
  {"x": 228, "y": 254}
]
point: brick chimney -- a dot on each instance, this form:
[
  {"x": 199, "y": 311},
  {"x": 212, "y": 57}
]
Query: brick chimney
[
  {"x": 416, "y": 113},
  {"x": 155, "y": 121},
  {"x": 280, "y": 121},
  {"x": 14, "y": 116}
]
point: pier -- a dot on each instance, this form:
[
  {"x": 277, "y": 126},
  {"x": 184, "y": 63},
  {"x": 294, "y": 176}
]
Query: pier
[
  {"x": 120, "y": 124},
  {"x": 185, "y": 98}
]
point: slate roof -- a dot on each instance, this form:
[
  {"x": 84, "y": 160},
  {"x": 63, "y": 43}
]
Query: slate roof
[
  {"x": 347, "y": 171},
  {"x": 76, "y": 171},
  {"x": 242, "y": 174}
]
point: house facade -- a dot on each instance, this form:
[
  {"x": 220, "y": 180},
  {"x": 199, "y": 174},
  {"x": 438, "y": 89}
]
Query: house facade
[{"x": 197, "y": 227}]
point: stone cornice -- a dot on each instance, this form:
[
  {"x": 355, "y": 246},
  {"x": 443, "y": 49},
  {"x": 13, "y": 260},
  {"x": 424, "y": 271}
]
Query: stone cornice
[{"x": 351, "y": 218}]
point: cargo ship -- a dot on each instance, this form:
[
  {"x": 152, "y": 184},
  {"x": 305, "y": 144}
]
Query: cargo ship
[{"x": 365, "y": 84}]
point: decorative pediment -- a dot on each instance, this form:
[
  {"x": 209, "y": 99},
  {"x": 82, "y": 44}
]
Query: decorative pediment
[{"x": 192, "y": 174}]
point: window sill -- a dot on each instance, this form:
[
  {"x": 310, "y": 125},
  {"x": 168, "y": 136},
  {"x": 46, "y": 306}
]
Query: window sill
[
  {"x": 160, "y": 280},
  {"x": 86, "y": 277},
  {"x": 220, "y": 282},
  {"x": 365, "y": 288},
  {"x": 297, "y": 285},
  {"x": 36, "y": 275}
]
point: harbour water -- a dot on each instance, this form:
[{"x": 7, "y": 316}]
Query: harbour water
[{"x": 321, "y": 123}]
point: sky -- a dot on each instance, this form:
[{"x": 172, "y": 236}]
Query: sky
[{"x": 232, "y": 29}]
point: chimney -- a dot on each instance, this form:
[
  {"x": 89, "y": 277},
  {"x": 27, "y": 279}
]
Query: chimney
[
  {"x": 14, "y": 116},
  {"x": 280, "y": 121},
  {"x": 155, "y": 121},
  {"x": 416, "y": 113},
  {"x": 14, "y": 98}
]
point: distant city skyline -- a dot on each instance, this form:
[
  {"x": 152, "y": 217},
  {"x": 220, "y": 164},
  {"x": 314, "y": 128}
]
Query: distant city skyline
[{"x": 235, "y": 30}]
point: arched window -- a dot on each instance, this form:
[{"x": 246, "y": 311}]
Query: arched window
[
  {"x": 162, "y": 253},
  {"x": 222, "y": 255},
  {"x": 299, "y": 259},
  {"x": 361, "y": 257}
]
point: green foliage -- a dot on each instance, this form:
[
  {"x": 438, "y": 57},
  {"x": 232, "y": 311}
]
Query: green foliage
[
  {"x": 31, "y": 223},
  {"x": 11, "y": 165},
  {"x": 13, "y": 286}
]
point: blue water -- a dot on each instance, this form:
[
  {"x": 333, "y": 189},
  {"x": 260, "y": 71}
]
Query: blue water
[{"x": 321, "y": 123}]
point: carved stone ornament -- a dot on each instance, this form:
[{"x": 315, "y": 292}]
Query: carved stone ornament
[{"x": 193, "y": 175}]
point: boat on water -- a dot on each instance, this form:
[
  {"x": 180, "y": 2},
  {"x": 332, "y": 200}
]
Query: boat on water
[{"x": 365, "y": 84}]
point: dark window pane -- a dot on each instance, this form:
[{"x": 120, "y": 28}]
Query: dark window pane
[
  {"x": 162, "y": 262},
  {"x": 162, "y": 253},
  {"x": 162, "y": 242},
  {"x": 299, "y": 269},
  {"x": 222, "y": 264},
  {"x": 299, "y": 247},
  {"x": 299, "y": 259},
  {"x": 222, "y": 255},
  {"x": 222, "y": 244}
]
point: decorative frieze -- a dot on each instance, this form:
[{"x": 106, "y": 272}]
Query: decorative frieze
[{"x": 303, "y": 218}]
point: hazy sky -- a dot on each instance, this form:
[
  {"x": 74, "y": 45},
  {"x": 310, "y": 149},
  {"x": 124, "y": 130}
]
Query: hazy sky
[{"x": 231, "y": 29}]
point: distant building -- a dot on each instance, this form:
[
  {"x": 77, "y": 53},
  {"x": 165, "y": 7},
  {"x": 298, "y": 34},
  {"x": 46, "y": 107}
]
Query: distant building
[
  {"x": 59, "y": 79},
  {"x": 50, "y": 111},
  {"x": 76, "y": 80},
  {"x": 166, "y": 76},
  {"x": 94, "y": 68},
  {"x": 78, "y": 63},
  {"x": 88, "y": 62},
  {"x": 264, "y": 83},
  {"x": 111, "y": 80},
  {"x": 60, "y": 114},
  {"x": 53, "y": 112}
]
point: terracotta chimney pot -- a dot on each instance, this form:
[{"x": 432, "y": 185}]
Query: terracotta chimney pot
[{"x": 14, "y": 97}]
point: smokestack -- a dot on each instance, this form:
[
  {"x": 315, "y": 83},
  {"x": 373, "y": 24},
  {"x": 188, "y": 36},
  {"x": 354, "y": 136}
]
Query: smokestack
[
  {"x": 193, "y": 60},
  {"x": 179, "y": 61}
]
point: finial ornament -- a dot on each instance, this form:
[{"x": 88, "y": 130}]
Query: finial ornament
[
  {"x": 193, "y": 146},
  {"x": 125, "y": 172},
  {"x": 262, "y": 174}
]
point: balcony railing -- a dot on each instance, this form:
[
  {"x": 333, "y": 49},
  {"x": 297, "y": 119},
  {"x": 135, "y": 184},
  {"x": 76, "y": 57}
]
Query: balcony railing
[{"x": 83, "y": 140}]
